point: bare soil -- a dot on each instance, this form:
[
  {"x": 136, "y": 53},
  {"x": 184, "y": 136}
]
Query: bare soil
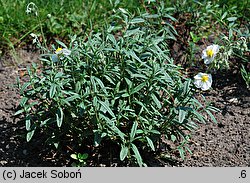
[{"x": 224, "y": 144}]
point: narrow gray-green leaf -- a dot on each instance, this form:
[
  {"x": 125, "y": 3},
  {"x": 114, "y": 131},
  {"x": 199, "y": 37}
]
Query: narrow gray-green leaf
[
  {"x": 59, "y": 117},
  {"x": 72, "y": 98},
  {"x": 156, "y": 101},
  {"x": 137, "y": 155},
  {"x": 199, "y": 116},
  {"x": 24, "y": 86},
  {"x": 105, "y": 106},
  {"x": 30, "y": 135},
  {"x": 123, "y": 152},
  {"x": 138, "y": 88},
  {"x": 211, "y": 116},
  {"x": 186, "y": 86},
  {"x": 133, "y": 131},
  {"x": 137, "y": 20},
  {"x": 61, "y": 43},
  {"x": 27, "y": 122},
  {"x": 182, "y": 115},
  {"x": 231, "y": 19},
  {"x": 132, "y": 53},
  {"x": 150, "y": 143},
  {"x": 23, "y": 101},
  {"x": 181, "y": 152},
  {"x": 52, "y": 90},
  {"x": 19, "y": 112}
]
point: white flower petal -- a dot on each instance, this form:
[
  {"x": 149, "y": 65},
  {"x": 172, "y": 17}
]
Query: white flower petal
[
  {"x": 66, "y": 52},
  {"x": 206, "y": 86},
  {"x": 215, "y": 48},
  {"x": 198, "y": 76},
  {"x": 203, "y": 85},
  {"x": 204, "y": 54},
  {"x": 198, "y": 83}
]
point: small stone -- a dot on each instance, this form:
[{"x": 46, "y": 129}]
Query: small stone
[
  {"x": 25, "y": 152},
  {"x": 233, "y": 100},
  {"x": 3, "y": 162},
  {"x": 245, "y": 112}
]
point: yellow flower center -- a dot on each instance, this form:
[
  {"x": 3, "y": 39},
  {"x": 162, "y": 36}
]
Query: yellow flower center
[
  {"x": 58, "y": 50},
  {"x": 204, "y": 78},
  {"x": 210, "y": 52}
]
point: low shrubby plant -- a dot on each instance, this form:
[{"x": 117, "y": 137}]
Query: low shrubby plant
[{"x": 117, "y": 85}]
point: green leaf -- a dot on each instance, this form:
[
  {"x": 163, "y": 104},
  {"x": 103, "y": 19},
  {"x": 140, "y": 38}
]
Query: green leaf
[
  {"x": 231, "y": 19},
  {"x": 125, "y": 95},
  {"x": 132, "y": 53},
  {"x": 82, "y": 156},
  {"x": 112, "y": 39},
  {"x": 199, "y": 116},
  {"x": 137, "y": 20},
  {"x": 123, "y": 152},
  {"x": 142, "y": 105},
  {"x": 111, "y": 125},
  {"x": 56, "y": 144},
  {"x": 188, "y": 149},
  {"x": 52, "y": 90},
  {"x": 59, "y": 117},
  {"x": 100, "y": 83},
  {"x": 73, "y": 97},
  {"x": 150, "y": 143},
  {"x": 214, "y": 109},
  {"x": 138, "y": 88},
  {"x": 30, "y": 135},
  {"x": 139, "y": 131},
  {"x": 155, "y": 132},
  {"x": 173, "y": 138},
  {"x": 167, "y": 78},
  {"x": 27, "y": 122},
  {"x": 128, "y": 82},
  {"x": 63, "y": 101},
  {"x": 23, "y": 101},
  {"x": 133, "y": 131},
  {"x": 93, "y": 83},
  {"x": 132, "y": 32},
  {"x": 24, "y": 86},
  {"x": 156, "y": 101},
  {"x": 124, "y": 11},
  {"x": 182, "y": 115},
  {"x": 58, "y": 75},
  {"x": 230, "y": 34},
  {"x": 187, "y": 86},
  {"x": 61, "y": 43},
  {"x": 74, "y": 156},
  {"x": 19, "y": 112},
  {"x": 211, "y": 116},
  {"x": 137, "y": 155},
  {"x": 224, "y": 15},
  {"x": 109, "y": 79},
  {"x": 181, "y": 152},
  {"x": 138, "y": 76},
  {"x": 105, "y": 106},
  {"x": 146, "y": 55}
]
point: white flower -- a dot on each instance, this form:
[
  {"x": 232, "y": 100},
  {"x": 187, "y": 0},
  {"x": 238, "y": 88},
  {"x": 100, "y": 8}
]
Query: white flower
[
  {"x": 203, "y": 81},
  {"x": 35, "y": 38},
  {"x": 209, "y": 53},
  {"x": 63, "y": 51},
  {"x": 60, "y": 53}
]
